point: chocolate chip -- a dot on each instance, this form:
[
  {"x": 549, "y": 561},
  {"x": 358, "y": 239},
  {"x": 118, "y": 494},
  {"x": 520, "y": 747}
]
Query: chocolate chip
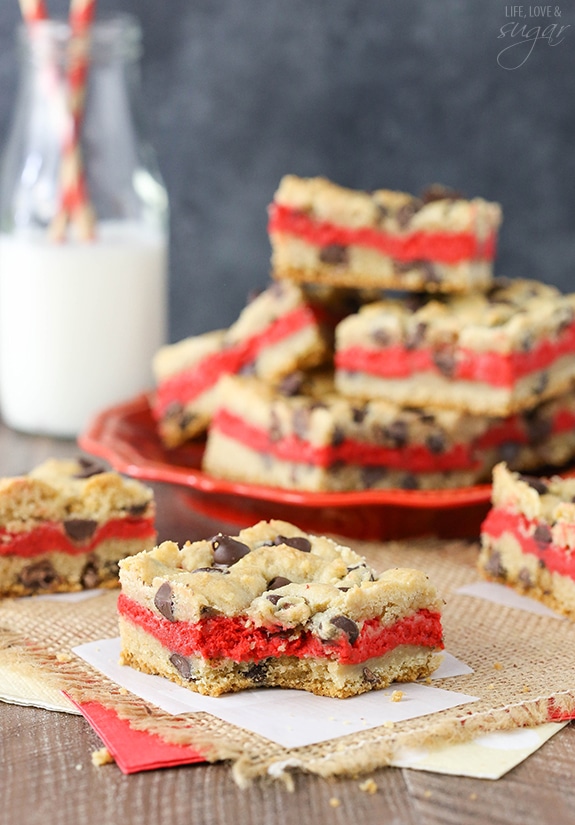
[
  {"x": 90, "y": 577},
  {"x": 445, "y": 362},
  {"x": 527, "y": 342},
  {"x": 438, "y": 192},
  {"x": 228, "y": 550},
  {"x": 164, "y": 601},
  {"x": 535, "y": 483},
  {"x": 430, "y": 273},
  {"x": 210, "y": 570},
  {"x": 182, "y": 665},
  {"x": 436, "y": 443},
  {"x": 337, "y": 436},
  {"x": 494, "y": 565},
  {"x": 275, "y": 430},
  {"x": 369, "y": 676},
  {"x": 542, "y": 536},
  {"x": 278, "y": 581},
  {"x": 409, "y": 482},
  {"x": 300, "y": 422},
  {"x": 112, "y": 567},
  {"x": 208, "y": 612},
  {"x": 381, "y": 337},
  {"x": 88, "y": 468},
  {"x": 333, "y": 254},
  {"x": 358, "y": 414},
  {"x": 299, "y": 542},
  {"x": 344, "y": 589},
  {"x": 415, "y": 301},
  {"x": 371, "y": 475},
  {"x": 525, "y": 577},
  {"x": 257, "y": 672},
  {"x": 39, "y": 575},
  {"x": 347, "y": 626},
  {"x": 415, "y": 336},
  {"x": 541, "y": 382},
  {"x": 291, "y": 384},
  {"x": 80, "y": 529},
  {"x": 397, "y": 433},
  {"x": 137, "y": 510},
  {"x": 273, "y": 598},
  {"x": 508, "y": 451},
  {"x": 381, "y": 212},
  {"x": 538, "y": 428},
  {"x": 188, "y": 417},
  {"x": 406, "y": 212}
]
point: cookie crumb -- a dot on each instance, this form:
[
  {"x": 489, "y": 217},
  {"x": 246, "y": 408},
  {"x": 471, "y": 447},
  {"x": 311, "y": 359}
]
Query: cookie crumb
[
  {"x": 369, "y": 786},
  {"x": 497, "y": 666},
  {"x": 397, "y": 695},
  {"x": 102, "y": 757},
  {"x": 334, "y": 802},
  {"x": 63, "y": 657},
  {"x": 473, "y": 796},
  {"x": 123, "y": 692},
  {"x": 388, "y": 723},
  {"x": 427, "y": 794},
  {"x": 525, "y": 688}
]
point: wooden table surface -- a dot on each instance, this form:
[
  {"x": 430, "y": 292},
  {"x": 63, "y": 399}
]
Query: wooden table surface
[{"x": 46, "y": 773}]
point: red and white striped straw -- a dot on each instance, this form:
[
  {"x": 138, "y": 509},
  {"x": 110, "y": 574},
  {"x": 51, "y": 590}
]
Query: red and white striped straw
[
  {"x": 74, "y": 200},
  {"x": 33, "y": 10}
]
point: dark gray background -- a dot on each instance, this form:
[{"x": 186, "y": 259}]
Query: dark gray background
[{"x": 372, "y": 93}]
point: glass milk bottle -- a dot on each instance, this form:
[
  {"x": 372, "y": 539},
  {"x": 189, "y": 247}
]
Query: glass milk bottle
[{"x": 80, "y": 319}]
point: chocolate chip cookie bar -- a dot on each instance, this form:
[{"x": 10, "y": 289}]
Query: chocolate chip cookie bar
[
  {"x": 66, "y": 525},
  {"x": 282, "y": 330},
  {"x": 492, "y": 354},
  {"x": 318, "y": 440},
  {"x": 324, "y": 233},
  {"x": 528, "y": 537},
  {"x": 274, "y": 606}
]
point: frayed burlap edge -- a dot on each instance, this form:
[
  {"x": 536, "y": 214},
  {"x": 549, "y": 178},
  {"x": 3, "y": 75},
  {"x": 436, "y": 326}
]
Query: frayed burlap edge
[{"x": 522, "y": 675}]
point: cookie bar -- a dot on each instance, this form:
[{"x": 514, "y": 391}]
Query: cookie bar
[
  {"x": 274, "y": 606},
  {"x": 280, "y": 331},
  {"x": 528, "y": 537},
  {"x": 317, "y": 440},
  {"x": 489, "y": 354},
  {"x": 324, "y": 233},
  {"x": 66, "y": 524}
]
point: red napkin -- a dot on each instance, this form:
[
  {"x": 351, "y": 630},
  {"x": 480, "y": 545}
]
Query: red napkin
[{"x": 134, "y": 750}]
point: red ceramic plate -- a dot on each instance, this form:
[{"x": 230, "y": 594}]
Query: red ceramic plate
[{"x": 126, "y": 437}]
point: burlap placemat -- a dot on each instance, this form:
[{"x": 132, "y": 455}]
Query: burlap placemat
[{"x": 524, "y": 673}]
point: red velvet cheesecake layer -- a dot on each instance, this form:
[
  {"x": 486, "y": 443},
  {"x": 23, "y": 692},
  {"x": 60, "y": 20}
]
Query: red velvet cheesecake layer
[
  {"x": 235, "y": 638},
  {"x": 411, "y": 457},
  {"x": 556, "y": 559},
  {"x": 440, "y": 247},
  {"x": 51, "y": 537},
  {"x": 189, "y": 384},
  {"x": 497, "y": 369}
]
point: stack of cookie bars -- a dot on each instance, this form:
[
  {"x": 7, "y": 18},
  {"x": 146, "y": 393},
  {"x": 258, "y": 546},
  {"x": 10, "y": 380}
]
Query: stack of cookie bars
[{"x": 384, "y": 355}]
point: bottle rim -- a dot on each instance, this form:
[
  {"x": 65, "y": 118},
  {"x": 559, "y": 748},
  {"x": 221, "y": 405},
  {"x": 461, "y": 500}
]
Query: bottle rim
[{"x": 113, "y": 35}]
